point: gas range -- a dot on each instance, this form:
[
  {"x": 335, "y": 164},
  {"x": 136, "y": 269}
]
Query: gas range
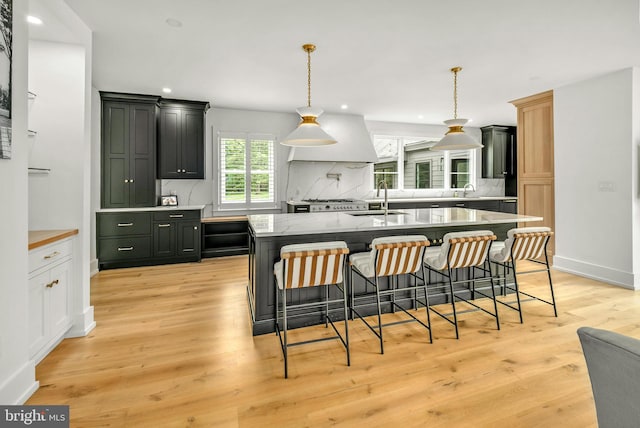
[{"x": 327, "y": 205}]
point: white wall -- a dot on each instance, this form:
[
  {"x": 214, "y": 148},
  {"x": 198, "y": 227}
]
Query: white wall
[
  {"x": 17, "y": 373},
  {"x": 595, "y": 135},
  {"x": 56, "y": 76}
]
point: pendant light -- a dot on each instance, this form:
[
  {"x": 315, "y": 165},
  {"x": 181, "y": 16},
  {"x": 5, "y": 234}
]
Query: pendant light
[
  {"x": 308, "y": 133},
  {"x": 455, "y": 138}
]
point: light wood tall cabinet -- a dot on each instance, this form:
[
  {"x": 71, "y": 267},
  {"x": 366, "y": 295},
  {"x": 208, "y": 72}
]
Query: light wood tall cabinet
[{"x": 535, "y": 159}]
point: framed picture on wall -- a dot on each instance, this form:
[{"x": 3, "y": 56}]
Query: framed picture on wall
[{"x": 6, "y": 45}]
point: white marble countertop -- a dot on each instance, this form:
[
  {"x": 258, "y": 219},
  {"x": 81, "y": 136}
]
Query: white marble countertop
[
  {"x": 335, "y": 222},
  {"x": 449, "y": 198},
  {"x": 160, "y": 208}
]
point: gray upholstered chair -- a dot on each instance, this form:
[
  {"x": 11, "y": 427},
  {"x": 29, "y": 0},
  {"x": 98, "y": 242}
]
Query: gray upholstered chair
[{"x": 613, "y": 361}]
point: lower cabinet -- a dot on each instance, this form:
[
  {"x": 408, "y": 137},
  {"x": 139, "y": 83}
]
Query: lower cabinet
[
  {"x": 144, "y": 238},
  {"x": 225, "y": 236},
  {"x": 50, "y": 285}
]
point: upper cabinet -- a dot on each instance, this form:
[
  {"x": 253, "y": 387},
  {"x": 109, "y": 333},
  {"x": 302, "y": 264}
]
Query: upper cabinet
[
  {"x": 499, "y": 151},
  {"x": 181, "y": 139},
  {"x": 128, "y": 150}
]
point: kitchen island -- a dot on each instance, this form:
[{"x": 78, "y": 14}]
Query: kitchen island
[{"x": 269, "y": 232}]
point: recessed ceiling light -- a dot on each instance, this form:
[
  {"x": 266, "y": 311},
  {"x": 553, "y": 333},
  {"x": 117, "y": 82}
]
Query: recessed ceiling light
[
  {"x": 166, "y": 90},
  {"x": 420, "y": 116},
  {"x": 34, "y": 20},
  {"x": 344, "y": 106},
  {"x": 173, "y": 22}
]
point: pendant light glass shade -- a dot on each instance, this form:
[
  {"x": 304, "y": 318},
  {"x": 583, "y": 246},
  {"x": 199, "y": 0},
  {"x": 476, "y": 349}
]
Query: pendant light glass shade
[
  {"x": 455, "y": 138},
  {"x": 308, "y": 133}
]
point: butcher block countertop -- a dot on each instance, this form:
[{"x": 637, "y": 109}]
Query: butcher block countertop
[{"x": 39, "y": 238}]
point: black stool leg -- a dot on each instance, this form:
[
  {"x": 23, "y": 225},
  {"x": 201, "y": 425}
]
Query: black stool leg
[
  {"x": 553, "y": 297},
  {"x": 453, "y": 304},
  {"x": 379, "y": 315}
]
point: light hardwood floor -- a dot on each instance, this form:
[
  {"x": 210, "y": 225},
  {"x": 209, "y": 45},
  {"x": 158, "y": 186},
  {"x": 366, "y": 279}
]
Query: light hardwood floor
[{"x": 173, "y": 348}]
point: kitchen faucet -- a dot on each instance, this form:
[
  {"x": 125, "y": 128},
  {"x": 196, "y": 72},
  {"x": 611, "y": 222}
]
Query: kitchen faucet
[
  {"x": 386, "y": 195},
  {"x": 473, "y": 189}
]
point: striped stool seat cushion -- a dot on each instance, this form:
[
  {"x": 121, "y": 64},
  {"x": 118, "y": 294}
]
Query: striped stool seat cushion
[
  {"x": 391, "y": 255},
  {"x": 467, "y": 249},
  {"x": 310, "y": 265},
  {"x": 525, "y": 242}
]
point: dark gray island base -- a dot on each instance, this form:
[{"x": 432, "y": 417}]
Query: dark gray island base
[{"x": 269, "y": 232}]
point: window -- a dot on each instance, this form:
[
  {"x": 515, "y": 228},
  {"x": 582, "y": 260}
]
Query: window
[
  {"x": 409, "y": 163},
  {"x": 423, "y": 175},
  {"x": 247, "y": 171}
]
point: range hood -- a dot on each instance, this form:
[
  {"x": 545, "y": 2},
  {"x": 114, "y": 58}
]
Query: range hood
[{"x": 354, "y": 142}]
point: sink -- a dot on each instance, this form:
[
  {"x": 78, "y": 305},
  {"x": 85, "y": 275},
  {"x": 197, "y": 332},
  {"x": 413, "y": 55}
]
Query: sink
[{"x": 375, "y": 212}]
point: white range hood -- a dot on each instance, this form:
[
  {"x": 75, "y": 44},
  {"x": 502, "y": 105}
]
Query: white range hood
[{"x": 354, "y": 142}]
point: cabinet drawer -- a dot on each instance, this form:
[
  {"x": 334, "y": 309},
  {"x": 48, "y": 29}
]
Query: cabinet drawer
[
  {"x": 176, "y": 215},
  {"x": 123, "y": 224},
  {"x": 49, "y": 254},
  {"x": 115, "y": 249}
]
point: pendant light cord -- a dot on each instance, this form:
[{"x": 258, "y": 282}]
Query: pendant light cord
[
  {"x": 308, "y": 77},
  {"x": 455, "y": 92}
]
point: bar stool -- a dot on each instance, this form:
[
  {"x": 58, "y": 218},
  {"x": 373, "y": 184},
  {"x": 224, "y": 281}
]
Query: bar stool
[
  {"x": 461, "y": 250},
  {"x": 525, "y": 243},
  {"x": 318, "y": 264},
  {"x": 390, "y": 257}
]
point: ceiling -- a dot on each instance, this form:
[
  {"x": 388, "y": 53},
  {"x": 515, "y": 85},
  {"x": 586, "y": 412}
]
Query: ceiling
[{"x": 387, "y": 60}]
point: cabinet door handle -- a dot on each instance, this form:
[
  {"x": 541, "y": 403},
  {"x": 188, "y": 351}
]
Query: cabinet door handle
[
  {"x": 126, "y": 181},
  {"x": 125, "y": 248},
  {"x": 125, "y": 224},
  {"x": 195, "y": 227},
  {"x": 52, "y": 255},
  {"x": 435, "y": 206},
  {"x": 131, "y": 180},
  {"x": 179, "y": 170},
  {"x": 176, "y": 215},
  {"x": 165, "y": 225},
  {"x": 186, "y": 250},
  {"x": 52, "y": 283},
  {"x": 460, "y": 205}
]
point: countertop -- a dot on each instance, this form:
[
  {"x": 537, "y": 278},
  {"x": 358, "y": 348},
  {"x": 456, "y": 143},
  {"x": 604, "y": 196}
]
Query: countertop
[
  {"x": 441, "y": 199},
  {"x": 160, "y": 208},
  {"x": 39, "y": 238},
  {"x": 335, "y": 222}
]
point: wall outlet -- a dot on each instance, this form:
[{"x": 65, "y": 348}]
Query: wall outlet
[{"x": 606, "y": 186}]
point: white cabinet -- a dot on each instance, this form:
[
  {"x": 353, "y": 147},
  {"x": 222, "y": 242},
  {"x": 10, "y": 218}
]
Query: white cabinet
[{"x": 50, "y": 279}]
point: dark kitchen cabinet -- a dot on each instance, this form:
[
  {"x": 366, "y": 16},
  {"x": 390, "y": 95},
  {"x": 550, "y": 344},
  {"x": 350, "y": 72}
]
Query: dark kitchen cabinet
[
  {"x": 181, "y": 139},
  {"x": 498, "y": 153},
  {"x": 177, "y": 234},
  {"x": 509, "y": 206},
  {"x": 143, "y": 238},
  {"x": 128, "y": 158}
]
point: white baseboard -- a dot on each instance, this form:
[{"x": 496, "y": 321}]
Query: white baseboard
[
  {"x": 592, "y": 271},
  {"x": 93, "y": 267},
  {"x": 82, "y": 324},
  {"x": 20, "y": 386}
]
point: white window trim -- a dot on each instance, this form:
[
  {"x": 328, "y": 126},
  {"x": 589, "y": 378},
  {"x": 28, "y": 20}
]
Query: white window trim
[
  {"x": 447, "y": 162},
  {"x": 247, "y": 205}
]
